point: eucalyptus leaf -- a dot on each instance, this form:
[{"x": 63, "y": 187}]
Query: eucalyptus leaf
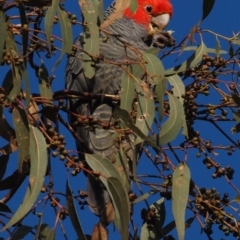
[
  {"x": 190, "y": 62},
  {"x": 38, "y": 156},
  {"x": 180, "y": 191}
]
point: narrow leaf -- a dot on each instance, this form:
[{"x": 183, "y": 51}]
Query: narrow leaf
[
  {"x": 179, "y": 91},
  {"x": 190, "y": 62},
  {"x": 145, "y": 110},
  {"x": 20, "y": 122},
  {"x": 21, "y": 232},
  {"x": 38, "y": 227},
  {"x": 51, "y": 235},
  {"x": 112, "y": 181},
  {"x": 122, "y": 167},
  {"x": 154, "y": 67},
  {"x": 145, "y": 196},
  {"x": 73, "y": 213},
  {"x": 236, "y": 199},
  {"x": 217, "y": 51},
  {"x": 24, "y": 31},
  {"x": 90, "y": 35},
  {"x": 102, "y": 165},
  {"x": 178, "y": 86},
  {"x": 45, "y": 85},
  {"x": 48, "y": 20},
  {"x": 121, "y": 205},
  {"x": 3, "y": 165},
  {"x": 4, "y": 208},
  {"x": 172, "y": 125},
  {"x": 170, "y": 226},
  {"x": 160, "y": 91},
  {"x": 153, "y": 231},
  {"x": 66, "y": 30},
  {"x": 207, "y": 8},
  {"x": 127, "y": 90},
  {"x": 3, "y": 29},
  {"x": 180, "y": 191},
  {"x": 44, "y": 231},
  {"x": 236, "y": 99},
  {"x": 127, "y": 121},
  {"x": 24, "y": 75},
  {"x": 38, "y": 157}
]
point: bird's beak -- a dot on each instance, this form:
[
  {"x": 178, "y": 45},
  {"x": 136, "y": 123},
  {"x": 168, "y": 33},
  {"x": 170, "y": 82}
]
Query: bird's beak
[{"x": 159, "y": 23}]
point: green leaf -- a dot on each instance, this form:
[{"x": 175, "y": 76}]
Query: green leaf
[
  {"x": 66, "y": 30},
  {"x": 3, "y": 165},
  {"x": 51, "y": 234},
  {"x": 127, "y": 121},
  {"x": 73, "y": 213},
  {"x": 207, "y": 8},
  {"x": 153, "y": 231},
  {"x": 190, "y": 62},
  {"x": 236, "y": 128},
  {"x": 154, "y": 51},
  {"x": 122, "y": 166},
  {"x": 100, "y": 7},
  {"x": 44, "y": 231},
  {"x": 160, "y": 91},
  {"x": 48, "y": 21},
  {"x": 172, "y": 125},
  {"x": 7, "y": 84},
  {"x": 137, "y": 72},
  {"x": 11, "y": 47},
  {"x": 145, "y": 196},
  {"x": 112, "y": 181},
  {"x": 180, "y": 190},
  {"x": 38, "y": 157},
  {"x": 236, "y": 99},
  {"x": 236, "y": 41},
  {"x": 127, "y": 90},
  {"x": 38, "y": 227},
  {"x": 133, "y": 6},
  {"x": 4, "y": 207},
  {"x": 145, "y": 110},
  {"x": 3, "y": 30},
  {"x": 170, "y": 226},
  {"x": 21, "y": 232},
  {"x": 45, "y": 85},
  {"x": 18, "y": 72},
  {"x": 236, "y": 199},
  {"x": 121, "y": 205},
  {"x": 16, "y": 84},
  {"x": 102, "y": 165},
  {"x": 154, "y": 67},
  {"x": 179, "y": 91},
  {"x": 91, "y": 37},
  {"x": 178, "y": 86},
  {"x": 21, "y": 125},
  {"x": 24, "y": 75},
  {"x": 24, "y": 31},
  {"x": 218, "y": 47},
  {"x": 231, "y": 51},
  {"x": 212, "y": 50}
]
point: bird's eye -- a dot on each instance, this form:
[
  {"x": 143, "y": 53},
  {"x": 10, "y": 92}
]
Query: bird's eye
[{"x": 148, "y": 8}]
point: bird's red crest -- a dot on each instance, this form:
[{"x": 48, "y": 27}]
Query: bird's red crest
[{"x": 147, "y": 9}]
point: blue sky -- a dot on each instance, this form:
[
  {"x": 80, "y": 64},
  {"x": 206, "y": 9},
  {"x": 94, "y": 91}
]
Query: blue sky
[{"x": 224, "y": 19}]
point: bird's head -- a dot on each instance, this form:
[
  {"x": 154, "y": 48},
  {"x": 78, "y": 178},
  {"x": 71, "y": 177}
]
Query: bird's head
[{"x": 153, "y": 15}]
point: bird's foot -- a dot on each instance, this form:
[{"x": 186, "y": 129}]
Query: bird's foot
[{"x": 163, "y": 39}]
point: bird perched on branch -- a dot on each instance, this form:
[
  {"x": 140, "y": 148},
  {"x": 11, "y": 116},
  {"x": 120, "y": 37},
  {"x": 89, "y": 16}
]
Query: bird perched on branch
[{"x": 120, "y": 42}]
